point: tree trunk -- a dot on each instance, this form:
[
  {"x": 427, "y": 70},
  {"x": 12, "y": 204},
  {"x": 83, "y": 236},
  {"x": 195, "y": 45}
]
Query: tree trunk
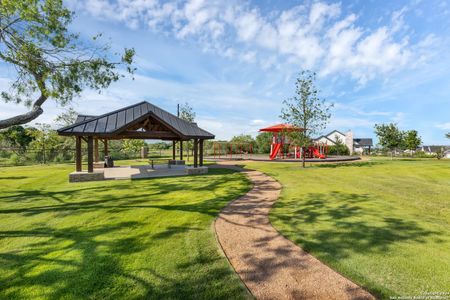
[
  {"x": 303, "y": 158},
  {"x": 35, "y": 112}
]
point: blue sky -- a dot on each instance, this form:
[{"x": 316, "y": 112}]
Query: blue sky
[{"x": 236, "y": 61}]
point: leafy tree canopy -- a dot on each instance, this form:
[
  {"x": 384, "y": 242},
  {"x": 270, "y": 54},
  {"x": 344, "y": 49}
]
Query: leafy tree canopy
[
  {"x": 263, "y": 141},
  {"x": 17, "y": 137},
  {"x": 187, "y": 112},
  {"x": 66, "y": 118},
  {"x": 339, "y": 148},
  {"x": 133, "y": 146},
  {"x": 389, "y": 136},
  {"x": 242, "y": 139},
  {"x": 50, "y": 62},
  {"x": 411, "y": 139}
]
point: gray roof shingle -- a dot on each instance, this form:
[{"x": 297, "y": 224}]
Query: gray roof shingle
[
  {"x": 119, "y": 120},
  {"x": 363, "y": 142}
]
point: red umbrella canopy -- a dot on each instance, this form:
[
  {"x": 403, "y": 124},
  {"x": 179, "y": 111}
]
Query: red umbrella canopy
[{"x": 281, "y": 127}]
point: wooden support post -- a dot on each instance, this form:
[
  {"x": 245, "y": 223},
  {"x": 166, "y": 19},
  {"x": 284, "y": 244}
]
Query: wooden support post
[
  {"x": 78, "y": 154},
  {"x": 96, "y": 156},
  {"x": 201, "y": 153},
  {"x": 181, "y": 150},
  {"x": 195, "y": 153},
  {"x": 106, "y": 147},
  {"x": 90, "y": 155},
  {"x": 173, "y": 149}
]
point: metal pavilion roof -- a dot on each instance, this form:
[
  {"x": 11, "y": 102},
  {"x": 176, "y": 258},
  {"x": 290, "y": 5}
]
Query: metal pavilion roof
[{"x": 141, "y": 120}]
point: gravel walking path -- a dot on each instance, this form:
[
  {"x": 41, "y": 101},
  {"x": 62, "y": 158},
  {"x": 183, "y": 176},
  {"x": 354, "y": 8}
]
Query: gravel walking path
[{"x": 271, "y": 266}]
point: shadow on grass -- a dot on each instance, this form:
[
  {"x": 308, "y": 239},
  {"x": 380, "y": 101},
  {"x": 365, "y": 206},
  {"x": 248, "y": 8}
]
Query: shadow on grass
[
  {"x": 83, "y": 262},
  {"x": 97, "y": 271},
  {"x": 344, "y": 224},
  {"x": 349, "y": 164},
  {"x": 110, "y": 201},
  {"x": 337, "y": 225},
  {"x": 12, "y": 177}
]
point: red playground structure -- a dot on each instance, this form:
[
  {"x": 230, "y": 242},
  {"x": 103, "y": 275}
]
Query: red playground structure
[{"x": 282, "y": 148}]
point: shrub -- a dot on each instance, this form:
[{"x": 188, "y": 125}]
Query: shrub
[
  {"x": 15, "y": 159},
  {"x": 339, "y": 149}
]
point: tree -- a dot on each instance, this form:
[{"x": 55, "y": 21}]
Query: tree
[
  {"x": 186, "y": 112},
  {"x": 389, "y": 136},
  {"x": 306, "y": 110},
  {"x": 66, "y": 118},
  {"x": 245, "y": 140},
  {"x": 49, "y": 61},
  {"x": 133, "y": 146},
  {"x": 263, "y": 141},
  {"x": 45, "y": 140},
  {"x": 339, "y": 148},
  {"x": 411, "y": 140},
  {"x": 17, "y": 137}
]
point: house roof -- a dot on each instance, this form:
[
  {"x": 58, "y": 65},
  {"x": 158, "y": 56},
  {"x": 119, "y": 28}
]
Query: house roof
[
  {"x": 433, "y": 148},
  {"x": 281, "y": 127},
  {"x": 127, "y": 121},
  {"x": 363, "y": 141},
  {"x": 325, "y": 137},
  {"x": 334, "y": 132}
]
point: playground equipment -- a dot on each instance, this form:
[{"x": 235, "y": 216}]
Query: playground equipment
[
  {"x": 282, "y": 148},
  {"x": 227, "y": 150}
]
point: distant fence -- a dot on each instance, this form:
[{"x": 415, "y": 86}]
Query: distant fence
[{"x": 17, "y": 157}]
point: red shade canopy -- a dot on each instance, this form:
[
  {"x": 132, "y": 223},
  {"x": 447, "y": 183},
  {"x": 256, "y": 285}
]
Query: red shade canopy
[{"x": 281, "y": 127}]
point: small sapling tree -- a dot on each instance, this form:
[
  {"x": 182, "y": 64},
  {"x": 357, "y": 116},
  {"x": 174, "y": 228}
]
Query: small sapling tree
[{"x": 306, "y": 110}]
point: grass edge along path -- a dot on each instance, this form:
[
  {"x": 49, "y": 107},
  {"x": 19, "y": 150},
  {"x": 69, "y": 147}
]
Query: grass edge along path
[
  {"x": 383, "y": 224},
  {"x": 271, "y": 266},
  {"x": 124, "y": 239}
]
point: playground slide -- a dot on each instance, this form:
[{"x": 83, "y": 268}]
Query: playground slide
[
  {"x": 275, "y": 150},
  {"x": 317, "y": 153}
]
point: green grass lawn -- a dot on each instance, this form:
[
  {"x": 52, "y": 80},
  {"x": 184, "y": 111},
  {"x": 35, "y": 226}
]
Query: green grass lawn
[
  {"x": 385, "y": 225},
  {"x": 113, "y": 239}
]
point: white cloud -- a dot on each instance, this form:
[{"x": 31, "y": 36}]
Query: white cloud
[
  {"x": 350, "y": 123},
  {"x": 316, "y": 36},
  {"x": 258, "y": 122},
  {"x": 443, "y": 126}
]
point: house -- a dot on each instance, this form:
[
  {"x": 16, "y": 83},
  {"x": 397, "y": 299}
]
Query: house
[
  {"x": 361, "y": 144},
  {"x": 447, "y": 153},
  {"x": 433, "y": 149},
  {"x": 357, "y": 145}
]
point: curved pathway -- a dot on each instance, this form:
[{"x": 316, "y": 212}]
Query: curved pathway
[{"x": 271, "y": 266}]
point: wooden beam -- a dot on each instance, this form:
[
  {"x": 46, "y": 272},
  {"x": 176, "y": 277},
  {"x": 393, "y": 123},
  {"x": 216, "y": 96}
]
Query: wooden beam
[
  {"x": 201, "y": 153},
  {"x": 78, "y": 157},
  {"x": 96, "y": 156},
  {"x": 90, "y": 154},
  {"x": 146, "y": 135},
  {"x": 195, "y": 153}
]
